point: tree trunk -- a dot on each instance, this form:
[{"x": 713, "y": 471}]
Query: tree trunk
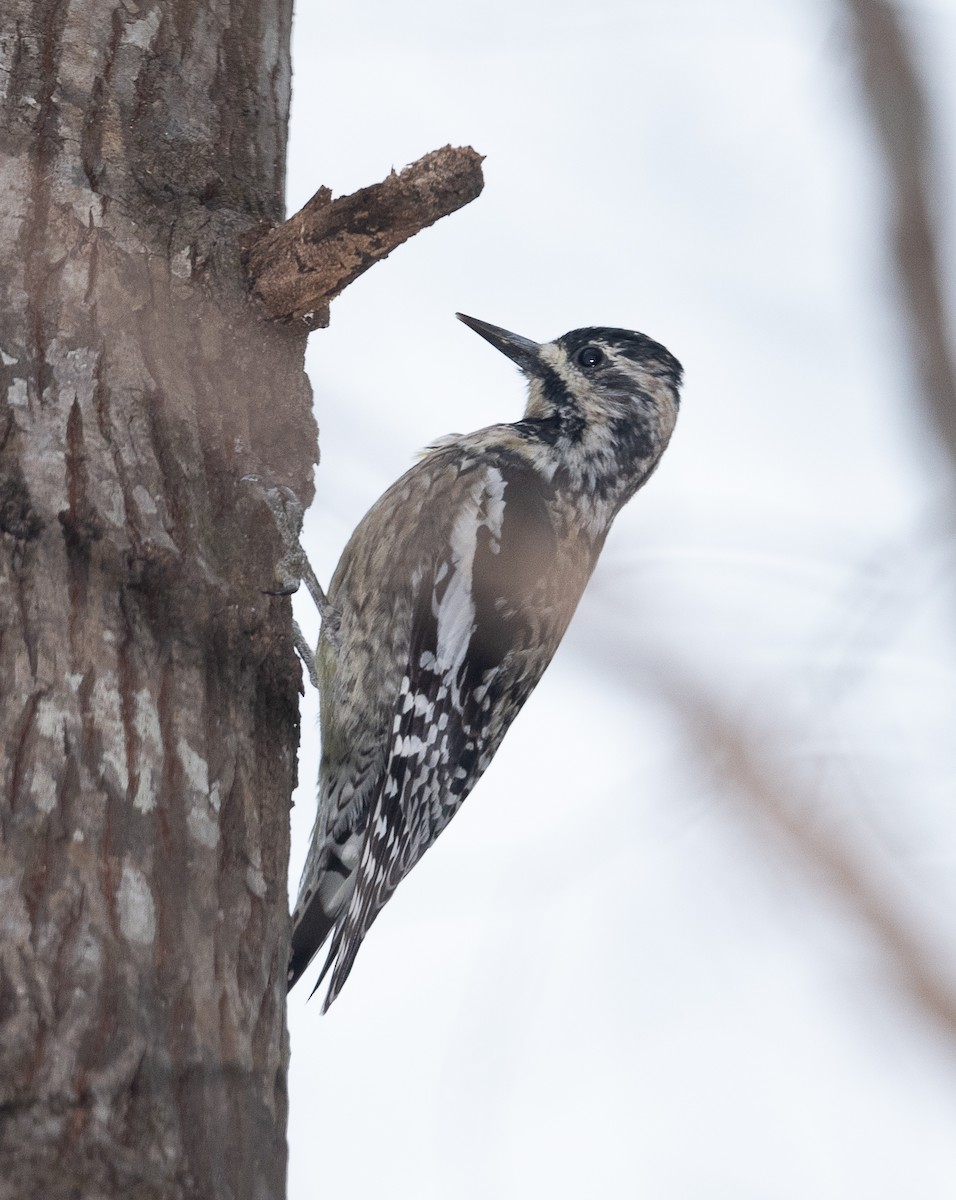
[{"x": 148, "y": 689}]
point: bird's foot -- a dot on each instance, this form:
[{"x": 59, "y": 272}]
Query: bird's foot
[{"x": 294, "y": 567}]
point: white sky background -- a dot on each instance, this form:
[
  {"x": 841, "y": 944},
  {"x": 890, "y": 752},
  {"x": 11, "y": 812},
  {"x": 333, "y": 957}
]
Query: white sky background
[{"x": 610, "y": 978}]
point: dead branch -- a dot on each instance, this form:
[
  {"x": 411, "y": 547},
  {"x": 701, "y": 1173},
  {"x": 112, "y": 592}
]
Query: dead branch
[{"x": 298, "y": 267}]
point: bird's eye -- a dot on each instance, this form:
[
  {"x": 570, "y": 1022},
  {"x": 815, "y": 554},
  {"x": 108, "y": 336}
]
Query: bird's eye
[{"x": 590, "y": 356}]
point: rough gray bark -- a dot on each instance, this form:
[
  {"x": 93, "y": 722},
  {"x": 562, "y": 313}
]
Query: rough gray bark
[{"x": 148, "y": 690}]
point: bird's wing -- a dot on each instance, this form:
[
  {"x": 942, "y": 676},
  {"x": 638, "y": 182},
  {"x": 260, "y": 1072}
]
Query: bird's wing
[{"x": 472, "y": 661}]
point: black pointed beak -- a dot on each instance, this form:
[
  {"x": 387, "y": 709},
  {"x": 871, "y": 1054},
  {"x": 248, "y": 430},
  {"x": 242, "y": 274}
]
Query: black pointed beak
[{"x": 520, "y": 350}]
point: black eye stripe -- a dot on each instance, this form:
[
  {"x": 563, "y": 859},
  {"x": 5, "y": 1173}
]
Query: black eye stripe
[{"x": 626, "y": 344}]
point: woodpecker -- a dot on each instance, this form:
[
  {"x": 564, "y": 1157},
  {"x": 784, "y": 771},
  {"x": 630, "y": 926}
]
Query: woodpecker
[{"x": 449, "y": 602}]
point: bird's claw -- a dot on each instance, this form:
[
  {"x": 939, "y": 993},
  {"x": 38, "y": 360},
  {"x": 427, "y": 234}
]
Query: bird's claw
[{"x": 294, "y": 567}]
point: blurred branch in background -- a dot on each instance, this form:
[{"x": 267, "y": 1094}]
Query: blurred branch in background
[
  {"x": 757, "y": 768},
  {"x": 762, "y": 778},
  {"x": 899, "y": 112},
  {"x": 757, "y": 772}
]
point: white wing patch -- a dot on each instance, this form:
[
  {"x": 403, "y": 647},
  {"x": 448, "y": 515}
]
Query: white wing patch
[
  {"x": 456, "y": 609},
  {"x": 416, "y": 802}
]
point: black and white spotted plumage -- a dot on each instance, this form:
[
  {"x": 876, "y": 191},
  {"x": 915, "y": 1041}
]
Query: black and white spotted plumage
[{"x": 452, "y": 596}]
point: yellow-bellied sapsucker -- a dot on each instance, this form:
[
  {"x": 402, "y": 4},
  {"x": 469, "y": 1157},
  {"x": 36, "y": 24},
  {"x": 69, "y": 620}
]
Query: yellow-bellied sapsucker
[{"x": 448, "y": 603}]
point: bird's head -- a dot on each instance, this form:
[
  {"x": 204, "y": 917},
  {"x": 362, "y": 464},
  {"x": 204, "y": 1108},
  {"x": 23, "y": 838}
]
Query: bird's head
[{"x": 611, "y": 392}]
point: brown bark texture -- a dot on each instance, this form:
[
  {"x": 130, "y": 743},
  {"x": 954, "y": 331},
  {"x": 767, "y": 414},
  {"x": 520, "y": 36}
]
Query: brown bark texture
[
  {"x": 298, "y": 267},
  {"x": 148, "y": 689}
]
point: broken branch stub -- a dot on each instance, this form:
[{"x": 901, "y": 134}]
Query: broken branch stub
[{"x": 298, "y": 267}]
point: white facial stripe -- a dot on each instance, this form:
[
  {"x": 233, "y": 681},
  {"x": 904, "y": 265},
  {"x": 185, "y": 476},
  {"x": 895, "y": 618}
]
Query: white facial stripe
[
  {"x": 557, "y": 360},
  {"x": 575, "y": 380}
]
